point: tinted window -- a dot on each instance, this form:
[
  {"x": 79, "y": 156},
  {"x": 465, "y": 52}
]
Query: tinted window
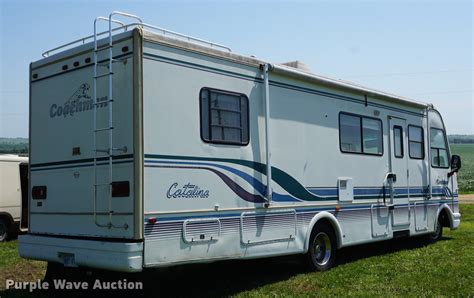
[
  {"x": 416, "y": 142},
  {"x": 398, "y": 141},
  {"x": 439, "y": 152},
  {"x": 360, "y": 134},
  {"x": 224, "y": 117}
]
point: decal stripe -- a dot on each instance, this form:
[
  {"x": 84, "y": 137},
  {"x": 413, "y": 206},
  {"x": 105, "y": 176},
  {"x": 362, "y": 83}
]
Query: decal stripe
[
  {"x": 78, "y": 161},
  {"x": 287, "y": 182},
  {"x": 292, "y": 186},
  {"x": 300, "y": 210},
  {"x": 237, "y": 189}
]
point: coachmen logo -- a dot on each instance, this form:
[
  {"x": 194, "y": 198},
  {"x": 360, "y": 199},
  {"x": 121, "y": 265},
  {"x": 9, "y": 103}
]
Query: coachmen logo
[{"x": 80, "y": 101}]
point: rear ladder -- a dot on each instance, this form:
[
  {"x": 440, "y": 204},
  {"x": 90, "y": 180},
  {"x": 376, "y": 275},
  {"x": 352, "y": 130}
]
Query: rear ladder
[{"x": 105, "y": 153}]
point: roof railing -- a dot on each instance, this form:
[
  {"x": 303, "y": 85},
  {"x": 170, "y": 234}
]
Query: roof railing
[{"x": 151, "y": 28}]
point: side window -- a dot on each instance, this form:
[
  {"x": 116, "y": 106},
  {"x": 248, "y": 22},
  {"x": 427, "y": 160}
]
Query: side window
[
  {"x": 398, "y": 141},
  {"x": 372, "y": 136},
  {"x": 439, "y": 152},
  {"x": 224, "y": 117},
  {"x": 358, "y": 134},
  {"x": 350, "y": 133},
  {"x": 416, "y": 143}
]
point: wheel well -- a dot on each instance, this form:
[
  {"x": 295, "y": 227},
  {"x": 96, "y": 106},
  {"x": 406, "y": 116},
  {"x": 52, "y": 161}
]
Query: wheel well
[
  {"x": 8, "y": 219},
  {"x": 324, "y": 218},
  {"x": 443, "y": 217},
  {"x": 324, "y": 221},
  {"x": 329, "y": 223}
]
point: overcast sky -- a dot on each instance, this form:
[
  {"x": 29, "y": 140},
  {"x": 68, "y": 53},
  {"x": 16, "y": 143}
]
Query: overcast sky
[{"x": 418, "y": 49}]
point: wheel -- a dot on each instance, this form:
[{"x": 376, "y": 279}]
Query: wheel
[
  {"x": 438, "y": 232},
  {"x": 322, "y": 248},
  {"x": 4, "y": 230}
]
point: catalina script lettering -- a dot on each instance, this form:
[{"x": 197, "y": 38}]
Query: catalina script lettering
[{"x": 187, "y": 191}]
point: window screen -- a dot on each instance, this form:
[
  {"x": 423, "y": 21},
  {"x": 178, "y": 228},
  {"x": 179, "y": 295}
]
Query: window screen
[
  {"x": 416, "y": 142},
  {"x": 398, "y": 141},
  {"x": 439, "y": 152},
  {"x": 360, "y": 134},
  {"x": 224, "y": 117}
]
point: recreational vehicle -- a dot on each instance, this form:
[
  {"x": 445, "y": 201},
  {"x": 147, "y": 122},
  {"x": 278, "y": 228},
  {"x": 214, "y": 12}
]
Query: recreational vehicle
[
  {"x": 13, "y": 195},
  {"x": 150, "y": 148}
]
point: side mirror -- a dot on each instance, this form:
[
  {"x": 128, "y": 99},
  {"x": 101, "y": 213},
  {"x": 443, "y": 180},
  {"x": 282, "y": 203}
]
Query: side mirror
[{"x": 455, "y": 164}]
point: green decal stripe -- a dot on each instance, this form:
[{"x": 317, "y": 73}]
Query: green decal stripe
[{"x": 288, "y": 183}]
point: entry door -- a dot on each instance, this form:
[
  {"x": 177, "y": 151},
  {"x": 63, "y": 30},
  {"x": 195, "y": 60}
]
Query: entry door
[{"x": 399, "y": 193}]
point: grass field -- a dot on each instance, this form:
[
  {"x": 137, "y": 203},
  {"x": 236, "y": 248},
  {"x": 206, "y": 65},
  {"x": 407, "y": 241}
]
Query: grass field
[
  {"x": 405, "y": 267},
  {"x": 466, "y": 174}
]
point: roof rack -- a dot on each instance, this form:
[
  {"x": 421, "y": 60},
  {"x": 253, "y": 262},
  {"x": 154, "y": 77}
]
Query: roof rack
[{"x": 126, "y": 27}]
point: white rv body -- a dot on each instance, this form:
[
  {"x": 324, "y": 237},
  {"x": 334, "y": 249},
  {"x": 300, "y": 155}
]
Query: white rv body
[
  {"x": 195, "y": 200},
  {"x": 12, "y": 167}
]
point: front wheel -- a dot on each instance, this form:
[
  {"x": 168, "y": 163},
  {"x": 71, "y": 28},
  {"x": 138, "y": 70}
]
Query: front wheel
[
  {"x": 438, "y": 232},
  {"x": 322, "y": 248}
]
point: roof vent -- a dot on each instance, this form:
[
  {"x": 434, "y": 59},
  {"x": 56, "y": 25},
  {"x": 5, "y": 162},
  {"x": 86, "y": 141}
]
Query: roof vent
[{"x": 298, "y": 65}]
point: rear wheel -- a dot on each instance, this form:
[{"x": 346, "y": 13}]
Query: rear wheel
[
  {"x": 4, "y": 230},
  {"x": 322, "y": 248}
]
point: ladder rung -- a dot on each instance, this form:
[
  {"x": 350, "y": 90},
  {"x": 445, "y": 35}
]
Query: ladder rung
[
  {"x": 102, "y": 48},
  {"x": 120, "y": 149},
  {"x": 103, "y": 75},
  {"x": 103, "y": 101},
  {"x": 104, "y": 128},
  {"x": 106, "y": 62},
  {"x": 102, "y": 150}
]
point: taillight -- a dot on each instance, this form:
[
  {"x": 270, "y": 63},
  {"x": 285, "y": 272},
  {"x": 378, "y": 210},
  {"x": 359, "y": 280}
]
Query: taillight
[
  {"x": 39, "y": 192},
  {"x": 120, "y": 189}
]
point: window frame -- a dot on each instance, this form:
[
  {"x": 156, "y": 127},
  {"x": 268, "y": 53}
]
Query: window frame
[
  {"x": 422, "y": 142},
  {"x": 242, "y": 95},
  {"x": 446, "y": 149},
  {"x": 401, "y": 143},
  {"x": 361, "y": 134}
]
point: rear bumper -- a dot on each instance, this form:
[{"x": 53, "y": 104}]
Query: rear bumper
[{"x": 116, "y": 256}]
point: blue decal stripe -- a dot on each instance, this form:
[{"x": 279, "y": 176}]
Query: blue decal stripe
[
  {"x": 80, "y": 165},
  {"x": 301, "y": 210},
  {"x": 256, "y": 184},
  {"x": 322, "y": 193}
]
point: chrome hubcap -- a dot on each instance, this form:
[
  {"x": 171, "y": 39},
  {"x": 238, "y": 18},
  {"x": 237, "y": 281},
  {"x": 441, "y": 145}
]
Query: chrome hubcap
[{"x": 322, "y": 249}]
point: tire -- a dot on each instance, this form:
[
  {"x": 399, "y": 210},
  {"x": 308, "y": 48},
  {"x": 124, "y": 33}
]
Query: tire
[
  {"x": 438, "y": 232},
  {"x": 4, "y": 230},
  {"x": 322, "y": 248}
]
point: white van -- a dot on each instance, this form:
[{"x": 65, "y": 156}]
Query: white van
[{"x": 13, "y": 193}]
